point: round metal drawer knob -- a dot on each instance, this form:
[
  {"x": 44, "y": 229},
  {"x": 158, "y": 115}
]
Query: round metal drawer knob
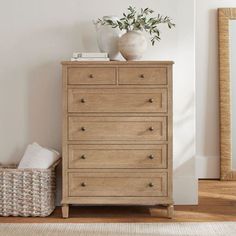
[
  {"x": 151, "y": 100},
  {"x": 151, "y": 157},
  {"x": 91, "y": 76},
  {"x": 142, "y": 76},
  {"x": 82, "y": 100},
  {"x": 83, "y": 128},
  {"x": 151, "y": 129},
  {"x": 83, "y": 184},
  {"x": 83, "y": 157},
  {"x": 151, "y": 185}
]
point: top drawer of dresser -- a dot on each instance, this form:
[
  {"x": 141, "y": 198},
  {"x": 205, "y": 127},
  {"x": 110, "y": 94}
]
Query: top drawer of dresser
[
  {"x": 91, "y": 75},
  {"x": 143, "y": 75}
]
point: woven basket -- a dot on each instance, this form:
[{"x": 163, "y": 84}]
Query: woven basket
[{"x": 27, "y": 192}]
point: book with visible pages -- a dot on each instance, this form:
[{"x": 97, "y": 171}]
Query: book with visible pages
[
  {"x": 90, "y": 55},
  {"x": 90, "y": 59}
]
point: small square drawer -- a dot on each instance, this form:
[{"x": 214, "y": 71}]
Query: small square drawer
[
  {"x": 118, "y": 184},
  {"x": 143, "y": 75},
  {"x": 117, "y": 156},
  {"x": 91, "y": 75}
]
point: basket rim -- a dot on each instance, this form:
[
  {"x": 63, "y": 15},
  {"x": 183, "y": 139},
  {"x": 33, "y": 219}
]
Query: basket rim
[{"x": 14, "y": 168}]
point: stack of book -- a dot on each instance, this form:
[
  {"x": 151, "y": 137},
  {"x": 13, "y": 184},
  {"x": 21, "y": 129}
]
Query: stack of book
[{"x": 90, "y": 56}]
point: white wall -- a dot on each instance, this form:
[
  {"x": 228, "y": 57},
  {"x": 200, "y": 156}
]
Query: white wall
[
  {"x": 37, "y": 35},
  {"x": 207, "y": 87}
]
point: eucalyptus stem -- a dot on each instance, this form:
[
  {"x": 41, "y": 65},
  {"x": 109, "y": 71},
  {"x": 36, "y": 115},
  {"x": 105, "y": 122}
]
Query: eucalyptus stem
[{"x": 141, "y": 20}]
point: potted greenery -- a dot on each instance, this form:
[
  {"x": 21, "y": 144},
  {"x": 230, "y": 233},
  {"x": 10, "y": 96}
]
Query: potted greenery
[{"x": 133, "y": 43}]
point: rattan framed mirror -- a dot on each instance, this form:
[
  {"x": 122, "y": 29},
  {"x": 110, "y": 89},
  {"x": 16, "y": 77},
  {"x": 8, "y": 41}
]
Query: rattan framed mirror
[{"x": 227, "y": 83}]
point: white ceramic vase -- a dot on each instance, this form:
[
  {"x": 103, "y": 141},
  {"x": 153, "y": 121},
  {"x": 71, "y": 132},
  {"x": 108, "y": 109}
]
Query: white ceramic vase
[
  {"x": 107, "y": 38},
  {"x": 132, "y": 45}
]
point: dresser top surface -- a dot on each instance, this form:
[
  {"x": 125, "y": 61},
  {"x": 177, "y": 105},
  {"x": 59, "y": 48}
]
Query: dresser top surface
[{"x": 117, "y": 62}]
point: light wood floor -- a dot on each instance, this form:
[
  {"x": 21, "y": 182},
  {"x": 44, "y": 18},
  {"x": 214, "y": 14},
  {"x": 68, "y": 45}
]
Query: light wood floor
[{"x": 217, "y": 202}]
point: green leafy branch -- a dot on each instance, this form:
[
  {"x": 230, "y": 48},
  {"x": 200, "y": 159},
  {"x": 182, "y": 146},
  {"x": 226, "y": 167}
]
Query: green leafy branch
[{"x": 139, "y": 21}]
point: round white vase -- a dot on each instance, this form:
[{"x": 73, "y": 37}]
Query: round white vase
[
  {"x": 107, "y": 38},
  {"x": 132, "y": 45}
]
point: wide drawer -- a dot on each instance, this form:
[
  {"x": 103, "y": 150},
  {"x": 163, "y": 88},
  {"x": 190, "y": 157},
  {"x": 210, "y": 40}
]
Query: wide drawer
[
  {"x": 91, "y": 75},
  {"x": 117, "y": 100},
  {"x": 117, "y": 128},
  {"x": 143, "y": 75},
  {"x": 117, "y": 184},
  {"x": 117, "y": 156}
]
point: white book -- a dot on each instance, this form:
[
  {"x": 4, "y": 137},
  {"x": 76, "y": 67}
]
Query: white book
[
  {"x": 90, "y": 59},
  {"x": 90, "y": 54}
]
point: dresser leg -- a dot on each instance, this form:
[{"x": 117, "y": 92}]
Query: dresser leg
[
  {"x": 65, "y": 210},
  {"x": 170, "y": 211}
]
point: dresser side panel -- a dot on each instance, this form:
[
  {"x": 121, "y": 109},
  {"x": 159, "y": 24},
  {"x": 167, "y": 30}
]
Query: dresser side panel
[
  {"x": 64, "y": 135},
  {"x": 170, "y": 132}
]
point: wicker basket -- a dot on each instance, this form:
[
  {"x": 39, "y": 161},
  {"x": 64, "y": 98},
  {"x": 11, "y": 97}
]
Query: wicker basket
[{"x": 27, "y": 192}]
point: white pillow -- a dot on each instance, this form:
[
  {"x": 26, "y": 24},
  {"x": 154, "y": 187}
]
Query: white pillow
[{"x": 36, "y": 156}]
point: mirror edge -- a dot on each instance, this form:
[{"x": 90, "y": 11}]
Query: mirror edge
[{"x": 224, "y": 15}]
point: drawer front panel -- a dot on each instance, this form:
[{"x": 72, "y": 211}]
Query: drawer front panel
[
  {"x": 117, "y": 156},
  {"x": 117, "y": 128},
  {"x": 139, "y": 76},
  {"x": 117, "y": 184},
  {"x": 117, "y": 100},
  {"x": 91, "y": 76}
]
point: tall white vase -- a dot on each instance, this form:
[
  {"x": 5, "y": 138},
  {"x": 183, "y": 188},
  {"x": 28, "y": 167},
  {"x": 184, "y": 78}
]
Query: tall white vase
[
  {"x": 132, "y": 45},
  {"x": 107, "y": 38}
]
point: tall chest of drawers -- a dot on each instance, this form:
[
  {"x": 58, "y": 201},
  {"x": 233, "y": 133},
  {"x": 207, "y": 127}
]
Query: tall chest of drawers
[{"x": 117, "y": 134}]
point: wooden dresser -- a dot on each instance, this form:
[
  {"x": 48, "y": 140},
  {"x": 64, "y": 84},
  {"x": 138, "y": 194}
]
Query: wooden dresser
[{"x": 117, "y": 134}]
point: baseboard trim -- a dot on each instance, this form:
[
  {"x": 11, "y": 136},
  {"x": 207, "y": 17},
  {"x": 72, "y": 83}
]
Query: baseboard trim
[{"x": 208, "y": 167}]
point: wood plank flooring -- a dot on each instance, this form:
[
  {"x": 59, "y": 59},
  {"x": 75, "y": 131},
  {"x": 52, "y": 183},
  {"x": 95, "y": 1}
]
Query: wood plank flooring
[{"x": 217, "y": 202}]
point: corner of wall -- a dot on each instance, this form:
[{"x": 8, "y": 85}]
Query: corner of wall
[
  {"x": 185, "y": 190},
  {"x": 208, "y": 167}
]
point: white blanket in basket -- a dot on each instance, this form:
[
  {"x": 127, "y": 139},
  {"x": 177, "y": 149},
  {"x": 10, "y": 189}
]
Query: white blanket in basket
[{"x": 36, "y": 156}]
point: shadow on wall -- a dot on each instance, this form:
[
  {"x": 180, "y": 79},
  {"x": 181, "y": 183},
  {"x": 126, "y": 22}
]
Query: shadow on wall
[
  {"x": 44, "y": 80},
  {"x": 15, "y": 156},
  {"x": 182, "y": 124},
  {"x": 44, "y": 105},
  {"x": 211, "y": 142}
]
